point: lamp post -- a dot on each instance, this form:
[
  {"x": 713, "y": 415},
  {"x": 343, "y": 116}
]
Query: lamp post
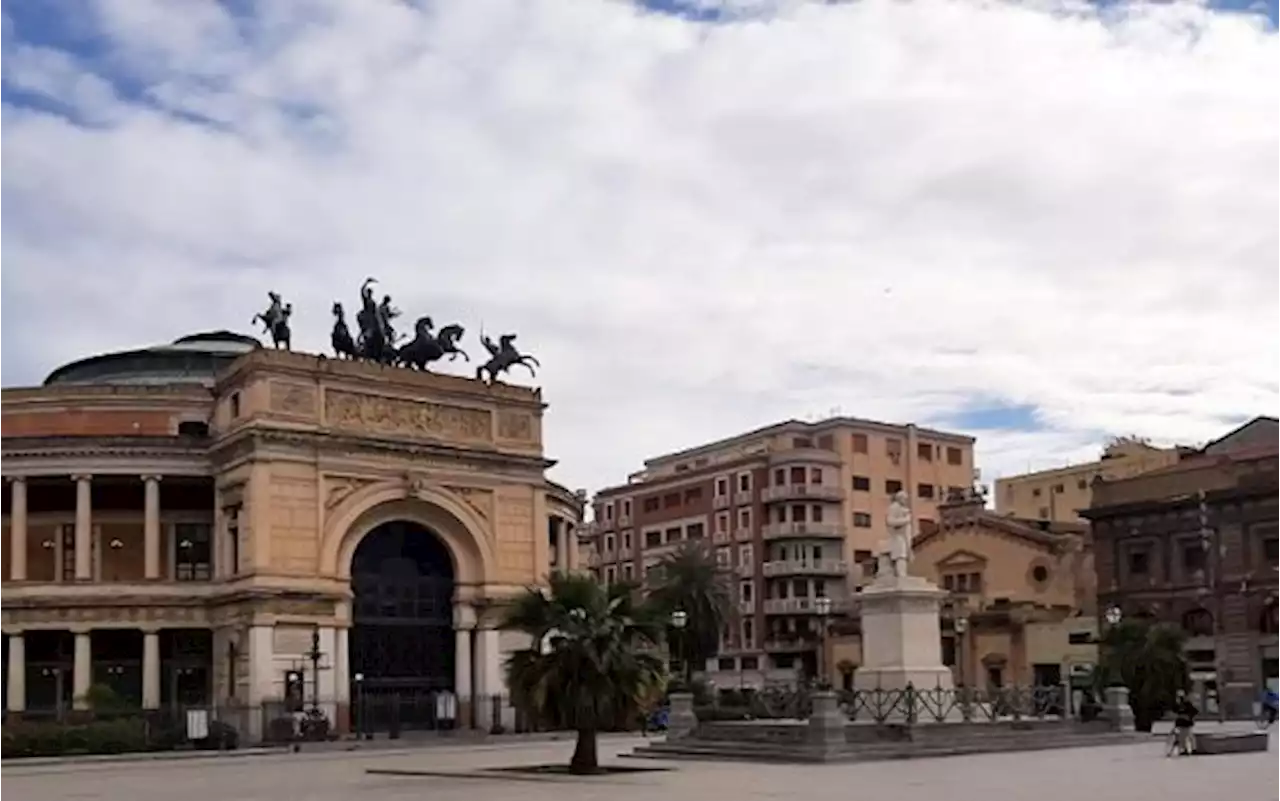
[
  {"x": 359, "y": 681},
  {"x": 680, "y": 619},
  {"x": 961, "y": 626},
  {"x": 823, "y": 607},
  {"x": 314, "y": 656},
  {"x": 1113, "y": 615}
]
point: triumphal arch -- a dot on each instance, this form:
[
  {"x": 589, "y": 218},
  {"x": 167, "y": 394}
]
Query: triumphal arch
[{"x": 210, "y": 521}]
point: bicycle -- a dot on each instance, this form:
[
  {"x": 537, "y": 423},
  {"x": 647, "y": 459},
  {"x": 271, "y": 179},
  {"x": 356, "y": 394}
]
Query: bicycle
[{"x": 1182, "y": 740}]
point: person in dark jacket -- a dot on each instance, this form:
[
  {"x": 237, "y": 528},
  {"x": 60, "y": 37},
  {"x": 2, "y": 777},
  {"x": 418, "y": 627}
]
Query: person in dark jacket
[{"x": 1184, "y": 720}]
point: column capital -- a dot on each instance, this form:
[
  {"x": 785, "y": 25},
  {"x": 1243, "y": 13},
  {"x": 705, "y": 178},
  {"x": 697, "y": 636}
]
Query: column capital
[
  {"x": 16, "y": 480},
  {"x": 79, "y": 477},
  {"x": 151, "y": 477},
  {"x": 464, "y": 616}
]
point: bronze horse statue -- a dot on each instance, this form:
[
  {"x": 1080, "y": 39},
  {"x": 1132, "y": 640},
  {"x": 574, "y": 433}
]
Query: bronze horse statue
[{"x": 502, "y": 357}]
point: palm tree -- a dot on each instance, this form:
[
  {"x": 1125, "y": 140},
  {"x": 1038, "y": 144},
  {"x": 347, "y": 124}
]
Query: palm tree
[
  {"x": 690, "y": 580},
  {"x": 587, "y": 667},
  {"x": 1147, "y": 658}
]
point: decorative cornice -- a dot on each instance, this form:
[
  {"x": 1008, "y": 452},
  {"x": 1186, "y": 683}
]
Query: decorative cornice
[{"x": 329, "y": 443}]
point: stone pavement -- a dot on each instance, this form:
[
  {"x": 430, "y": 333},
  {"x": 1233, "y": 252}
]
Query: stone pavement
[{"x": 1115, "y": 773}]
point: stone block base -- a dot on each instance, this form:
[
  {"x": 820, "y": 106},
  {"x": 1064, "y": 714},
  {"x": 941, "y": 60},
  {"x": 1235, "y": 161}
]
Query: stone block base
[
  {"x": 1243, "y": 743},
  {"x": 890, "y": 679}
]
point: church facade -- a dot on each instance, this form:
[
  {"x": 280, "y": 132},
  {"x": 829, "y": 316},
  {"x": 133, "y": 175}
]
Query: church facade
[{"x": 216, "y": 523}]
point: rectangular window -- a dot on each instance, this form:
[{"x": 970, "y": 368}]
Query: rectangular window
[
  {"x": 924, "y": 491},
  {"x": 859, "y": 442},
  {"x": 745, "y": 590},
  {"x": 799, "y": 513},
  {"x": 722, "y": 521},
  {"x": 1057, "y": 489},
  {"x": 861, "y": 520},
  {"x": 694, "y": 531},
  {"x": 815, "y": 475},
  {"x": 608, "y": 544},
  {"x": 723, "y": 557},
  {"x": 1082, "y": 484},
  {"x": 722, "y": 487},
  {"x": 892, "y": 486},
  {"x": 954, "y": 456},
  {"x": 193, "y": 552},
  {"x": 652, "y": 539},
  {"x": 627, "y": 571},
  {"x": 232, "y": 516},
  {"x": 893, "y": 448},
  {"x": 745, "y": 554},
  {"x": 861, "y": 556},
  {"x": 1080, "y": 638},
  {"x": 744, "y": 482},
  {"x": 626, "y": 543},
  {"x": 779, "y": 477},
  {"x": 815, "y": 513},
  {"x": 1271, "y": 550},
  {"x": 949, "y": 583},
  {"x": 610, "y": 574},
  {"x": 744, "y": 519},
  {"x": 827, "y": 442},
  {"x": 608, "y": 511},
  {"x": 1035, "y": 492},
  {"x": 957, "y": 492},
  {"x": 626, "y": 508},
  {"x": 924, "y": 451},
  {"x": 862, "y": 483},
  {"x": 1139, "y": 563},
  {"x": 1193, "y": 556},
  {"x": 750, "y": 662},
  {"x": 652, "y": 504},
  {"x": 748, "y": 635},
  {"x": 726, "y": 663},
  {"x": 797, "y": 475},
  {"x": 673, "y": 535},
  {"x": 693, "y": 494}
]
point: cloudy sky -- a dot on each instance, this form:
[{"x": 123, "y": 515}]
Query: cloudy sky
[{"x": 1042, "y": 223}]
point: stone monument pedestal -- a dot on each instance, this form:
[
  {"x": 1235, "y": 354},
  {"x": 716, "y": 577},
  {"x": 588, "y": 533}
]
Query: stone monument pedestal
[{"x": 901, "y": 637}]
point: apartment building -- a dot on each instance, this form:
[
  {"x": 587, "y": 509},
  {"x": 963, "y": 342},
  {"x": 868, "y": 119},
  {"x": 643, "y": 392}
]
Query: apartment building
[
  {"x": 796, "y": 511},
  {"x": 1061, "y": 493}
]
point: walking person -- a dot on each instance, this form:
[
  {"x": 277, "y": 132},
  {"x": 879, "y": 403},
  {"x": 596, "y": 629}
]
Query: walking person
[
  {"x": 1182, "y": 738},
  {"x": 1268, "y": 710}
]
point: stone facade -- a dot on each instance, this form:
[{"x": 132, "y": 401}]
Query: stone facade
[{"x": 119, "y": 515}]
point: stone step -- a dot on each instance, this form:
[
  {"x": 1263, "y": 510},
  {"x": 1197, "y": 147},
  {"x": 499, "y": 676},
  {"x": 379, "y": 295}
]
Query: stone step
[{"x": 996, "y": 743}]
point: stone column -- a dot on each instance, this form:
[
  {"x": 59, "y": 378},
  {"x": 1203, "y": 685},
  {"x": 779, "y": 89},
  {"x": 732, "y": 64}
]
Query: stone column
[
  {"x": 562, "y": 546},
  {"x": 262, "y": 678},
  {"x": 488, "y": 672},
  {"x": 17, "y": 700},
  {"x": 82, "y": 671},
  {"x": 151, "y": 670},
  {"x": 151, "y": 527},
  {"x": 84, "y": 528},
  {"x": 571, "y": 537},
  {"x": 18, "y": 531},
  {"x": 342, "y": 680},
  {"x": 464, "y": 622}
]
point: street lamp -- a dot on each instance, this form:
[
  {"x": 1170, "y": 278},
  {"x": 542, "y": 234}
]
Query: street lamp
[
  {"x": 680, "y": 619},
  {"x": 822, "y": 606},
  {"x": 961, "y": 625},
  {"x": 360, "y": 723},
  {"x": 1113, "y": 615}
]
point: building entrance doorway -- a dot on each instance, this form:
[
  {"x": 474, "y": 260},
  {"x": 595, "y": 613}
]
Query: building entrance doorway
[{"x": 401, "y": 642}]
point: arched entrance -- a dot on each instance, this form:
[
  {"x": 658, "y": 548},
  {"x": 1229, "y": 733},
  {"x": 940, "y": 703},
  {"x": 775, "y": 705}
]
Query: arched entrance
[{"x": 401, "y": 641}]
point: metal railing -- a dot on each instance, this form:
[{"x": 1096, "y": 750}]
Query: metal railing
[
  {"x": 784, "y": 530},
  {"x": 820, "y": 492},
  {"x": 956, "y": 705},
  {"x": 815, "y": 567}
]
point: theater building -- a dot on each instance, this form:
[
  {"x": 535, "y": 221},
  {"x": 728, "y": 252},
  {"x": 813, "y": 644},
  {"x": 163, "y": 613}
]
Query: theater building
[{"x": 201, "y": 523}]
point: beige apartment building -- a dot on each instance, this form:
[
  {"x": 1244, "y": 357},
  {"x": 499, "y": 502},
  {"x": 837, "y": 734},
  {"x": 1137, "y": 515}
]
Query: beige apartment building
[
  {"x": 795, "y": 509},
  {"x": 1061, "y": 493}
]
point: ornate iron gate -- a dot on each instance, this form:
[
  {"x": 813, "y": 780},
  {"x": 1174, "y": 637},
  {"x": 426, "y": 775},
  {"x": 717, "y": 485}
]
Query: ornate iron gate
[{"x": 401, "y": 642}]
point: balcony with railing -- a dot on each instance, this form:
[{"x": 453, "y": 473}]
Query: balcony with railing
[
  {"x": 746, "y": 607},
  {"x": 721, "y": 502},
  {"x": 744, "y": 497},
  {"x": 803, "y": 492},
  {"x": 810, "y": 567},
  {"x": 803, "y": 456},
  {"x": 780, "y": 531},
  {"x": 745, "y": 571},
  {"x": 791, "y": 644},
  {"x": 743, "y": 534},
  {"x": 624, "y": 521},
  {"x": 801, "y": 606}
]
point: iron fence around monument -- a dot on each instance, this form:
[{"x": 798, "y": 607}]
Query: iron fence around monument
[{"x": 911, "y": 705}]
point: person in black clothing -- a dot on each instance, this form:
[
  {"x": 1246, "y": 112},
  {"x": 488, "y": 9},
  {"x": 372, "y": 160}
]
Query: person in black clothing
[{"x": 1184, "y": 719}]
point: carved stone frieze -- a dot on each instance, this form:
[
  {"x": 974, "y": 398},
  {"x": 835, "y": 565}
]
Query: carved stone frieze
[
  {"x": 478, "y": 499},
  {"x": 372, "y": 414},
  {"x": 289, "y": 398},
  {"x": 516, "y": 426},
  {"x": 338, "y": 489}
]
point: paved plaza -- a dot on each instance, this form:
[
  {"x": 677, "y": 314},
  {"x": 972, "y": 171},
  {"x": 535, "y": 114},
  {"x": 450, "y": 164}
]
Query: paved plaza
[{"x": 1121, "y": 773}]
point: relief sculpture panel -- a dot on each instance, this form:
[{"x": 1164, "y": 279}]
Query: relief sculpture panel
[
  {"x": 378, "y": 415},
  {"x": 298, "y": 400},
  {"x": 516, "y": 426}
]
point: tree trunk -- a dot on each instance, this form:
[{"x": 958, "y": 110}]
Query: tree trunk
[{"x": 586, "y": 759}]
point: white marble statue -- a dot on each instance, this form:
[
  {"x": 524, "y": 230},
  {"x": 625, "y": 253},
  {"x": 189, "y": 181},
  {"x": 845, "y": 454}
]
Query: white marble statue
[{"x": 898, "y": 521}]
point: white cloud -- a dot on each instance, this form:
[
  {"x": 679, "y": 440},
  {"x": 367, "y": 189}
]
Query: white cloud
[{"x": 884, "y": 206}]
